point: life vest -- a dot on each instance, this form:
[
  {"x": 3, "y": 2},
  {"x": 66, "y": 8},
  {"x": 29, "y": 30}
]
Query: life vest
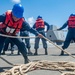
[
  {"x": 12, "y": 27},
  {"x": 39, "y": 23},
  {"x": 71, "y": 22}
]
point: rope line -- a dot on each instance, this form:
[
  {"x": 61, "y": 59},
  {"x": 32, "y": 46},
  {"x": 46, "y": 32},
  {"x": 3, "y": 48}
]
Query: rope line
[
  {"x": 42, "y": 65},
  {"x": 17, "y": 36}
]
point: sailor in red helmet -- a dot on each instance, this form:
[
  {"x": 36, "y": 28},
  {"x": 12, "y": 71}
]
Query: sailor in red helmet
[
  {"x": 11, "y": 23},
  {"x": 71, "y": 31},
  {"x": 40, "y": 27}
]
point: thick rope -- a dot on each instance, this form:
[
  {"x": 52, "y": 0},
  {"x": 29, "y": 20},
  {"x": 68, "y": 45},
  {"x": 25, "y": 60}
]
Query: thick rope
[
  {"x": 16, "y": 36},
  {"x": 42, "y": 65}
]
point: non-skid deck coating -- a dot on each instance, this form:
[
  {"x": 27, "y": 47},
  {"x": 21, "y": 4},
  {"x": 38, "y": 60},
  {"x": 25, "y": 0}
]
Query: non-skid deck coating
[{"x": 53, "y": 55}]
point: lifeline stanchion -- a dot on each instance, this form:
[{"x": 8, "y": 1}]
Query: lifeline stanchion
[{"x": 58, "y": 47}]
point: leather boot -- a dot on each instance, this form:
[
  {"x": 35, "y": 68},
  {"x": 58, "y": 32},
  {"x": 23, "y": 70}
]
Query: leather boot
[
  {"x": 3, "y": 53},
  {"x": 26, "y": 60},
  {"x": 46, "y": 53},
  {"x": 62, "y": 53},
  {"x": 12, "y": 52},
  {"x": 29, "y": 52},
  {"x": 35, "y": 52},
  {"x": 18, "y": 53}
]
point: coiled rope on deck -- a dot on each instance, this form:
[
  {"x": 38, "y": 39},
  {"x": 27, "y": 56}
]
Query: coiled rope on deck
[{"x": 42, "y": 65}]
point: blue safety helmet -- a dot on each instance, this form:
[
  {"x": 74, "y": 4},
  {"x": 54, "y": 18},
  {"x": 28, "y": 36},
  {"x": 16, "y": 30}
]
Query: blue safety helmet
[
  {"x": 39, "y": 17},
  {"x": 18, "y": 10},
  {"x": 72, "y": 14}
]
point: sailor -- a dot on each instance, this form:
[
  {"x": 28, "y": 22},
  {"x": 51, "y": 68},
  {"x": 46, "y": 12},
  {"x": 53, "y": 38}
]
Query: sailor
[
  {"x": 71, "y": 31},
  {"x": 39, "y": 25},
  {"x": 11, "y": 23}
]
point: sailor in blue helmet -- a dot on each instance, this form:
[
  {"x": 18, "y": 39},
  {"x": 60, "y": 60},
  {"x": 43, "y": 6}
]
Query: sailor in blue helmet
[
  {"x": 71, "y": 31},
  {"x": 40, "y": 27},
  {"x": 11, "y": 23}
]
